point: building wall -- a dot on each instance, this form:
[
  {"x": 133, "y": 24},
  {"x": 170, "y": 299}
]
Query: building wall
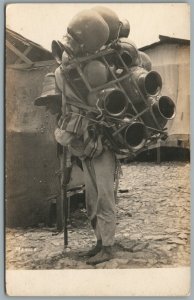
[
  {"x": 172, "y": 61},
  {"x": 31, "y": 156}
]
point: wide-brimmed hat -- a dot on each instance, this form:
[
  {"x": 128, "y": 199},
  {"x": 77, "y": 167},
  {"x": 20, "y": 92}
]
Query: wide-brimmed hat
[{"x": 50, "y": 91}]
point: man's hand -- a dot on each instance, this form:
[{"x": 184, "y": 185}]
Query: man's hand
[{"x": 63, "y": 137}]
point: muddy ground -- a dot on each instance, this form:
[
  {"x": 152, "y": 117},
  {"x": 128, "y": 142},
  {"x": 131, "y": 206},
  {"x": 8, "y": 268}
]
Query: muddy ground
[{"x": 153, "y": 226}]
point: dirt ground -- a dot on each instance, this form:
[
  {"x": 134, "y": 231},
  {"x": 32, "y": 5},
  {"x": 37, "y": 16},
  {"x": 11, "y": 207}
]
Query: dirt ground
[{"x": 153, "y": 226}]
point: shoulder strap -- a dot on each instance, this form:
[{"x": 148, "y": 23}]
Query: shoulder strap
[{"x": 81, "y": 105}]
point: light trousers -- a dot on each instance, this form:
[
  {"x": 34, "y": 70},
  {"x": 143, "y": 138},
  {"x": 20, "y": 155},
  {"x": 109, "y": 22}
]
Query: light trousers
[{"x": 100, "y": 199}]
